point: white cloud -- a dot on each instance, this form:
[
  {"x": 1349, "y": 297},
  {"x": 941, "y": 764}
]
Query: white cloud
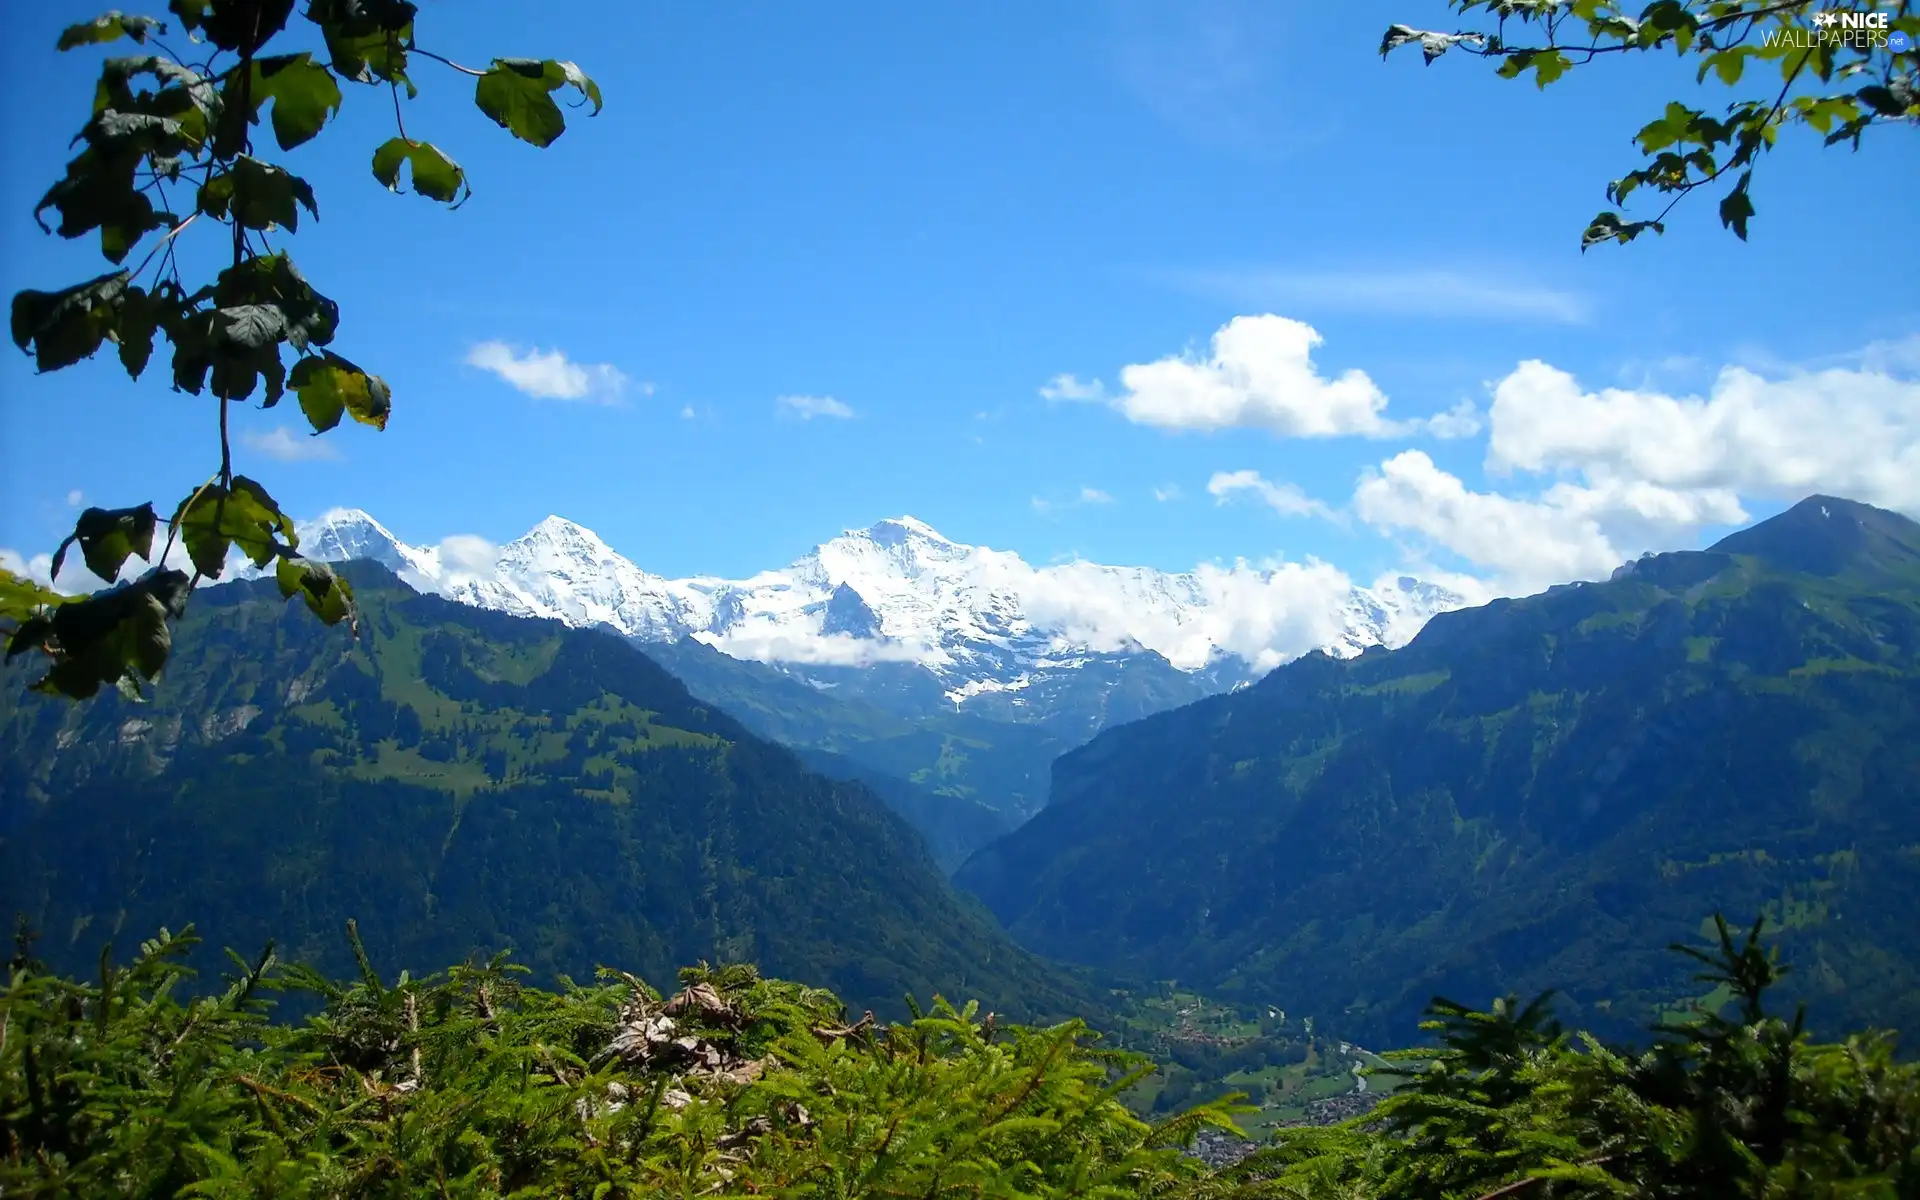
[
  {"x": 806, "y": 408},
  {"x": 1568, "y": 532},
  {"x": 38, "y": 567},
  {"x": 75, "y": 498},
  {"x": 1476, "y": 295},
  {"x": 1854, "y": 433},
  {"x": 1164, "y": 494},
  {"x": 1266, "y": 614},
  {"x": 687, "y": 413},
  {"x": 1093, "y": 495},
  {"x": 1070, "y": 388},
  {"x": 1460, "y": 421},
  {"x": 1284, "y": 498},
  {"x": 833, "y": 649},
  {"x": 1260, "y": 374},
  {"x": 550, "y": 375},
  {"x": 283, "y": 444},
  {"x": 1604, "y": 476},
  {"x": 465, "y": 558}
]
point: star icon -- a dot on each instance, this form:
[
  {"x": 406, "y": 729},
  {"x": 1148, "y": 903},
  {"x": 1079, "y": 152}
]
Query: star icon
[{"x": 1823, "y": 19}]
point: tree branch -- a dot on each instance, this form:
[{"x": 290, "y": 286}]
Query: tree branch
[{"x": 449, "y": 62}]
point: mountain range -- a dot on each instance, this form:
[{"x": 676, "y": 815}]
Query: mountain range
[
  {"x": 902, "y": 616},
  {"x": 946, "y": 676},
  {"x": 1535, "y": 793}
]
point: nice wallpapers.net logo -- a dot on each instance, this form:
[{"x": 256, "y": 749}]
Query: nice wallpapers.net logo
[{"x": 1843, "y": 29}]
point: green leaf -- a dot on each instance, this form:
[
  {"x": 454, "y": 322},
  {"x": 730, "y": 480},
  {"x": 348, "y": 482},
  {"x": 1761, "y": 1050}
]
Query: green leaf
[
  {"x": 249, "y": 325},
  {"x": 99, "y": 192},
  {"x": 1549, "y": 67},
  {"x": 241, "y": 26},
  {"x": 517, "y": 94},
  {"x": 216, "y": 519},
  {"x": 66, "y": 326},
  {"x": 303, "y": 92},
  {"x": 325, "y": 592},
  {"x": 572, "y": 74},
  {"x": 108, "y": 537},
  {"x": 259, "y": 522},
  {"x": 1823, "y": 112},
  {"x": 266, "y": 195},
  {"x": 111, "y": 637},
  {"x": 311, "y": 318},
  {"x": 191, "y": 334},
  {"x": 109, "y": 27},
  {"x": 367, "y": 39},
  {"x": 435, "y": 176},
  {"x": 21, "y": 601},
  {"x": 1608, "y": 227},
  {"x": 1883, "y": 101},
  {"x": 237, "y": 368},
  {"x": 1737, "y": 206},
  {"x": 329, "y": 386}
]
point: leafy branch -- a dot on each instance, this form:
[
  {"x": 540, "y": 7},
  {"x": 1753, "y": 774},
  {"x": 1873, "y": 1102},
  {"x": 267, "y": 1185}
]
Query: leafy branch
[
  {"x": 1686, "y": 149},
  {"x": 167, "y": 137}
]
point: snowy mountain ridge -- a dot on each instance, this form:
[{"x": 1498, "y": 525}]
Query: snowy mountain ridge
[{"x": 982, "y": 621}]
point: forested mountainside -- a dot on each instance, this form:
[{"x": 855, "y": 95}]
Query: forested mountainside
[
  {"x": 971, "y": 779},
  {"x": 1536, "y": 793},
  {"x": 458, "y": 779}
]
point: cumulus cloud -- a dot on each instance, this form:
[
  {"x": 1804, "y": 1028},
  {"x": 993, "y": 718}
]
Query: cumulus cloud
[
  {"x": 465, "y": 557},
  {"x": 1586, "y": 480},
  {"x": 284, "y": 444},
  {"x": 37, "y": 567},
  {"x": 550, "y": 375},
  {"x": 1167, "y": 492},
  {"x": 1569, "y": 531},
  {"x": 1258, "y": 373},
  {"x": 1093, "y": 495},
  {"x": 1070, "y": 388},
  {"x": 1284, "y": 498},
  {"x": 1460, "y": 421},
  {"x": 829, "y": 649},
  {"x": 806, "y": 408},
  {"x": 76, "y": 498},
  {"x": 1266, "y": 614},
  {"x": 1854, "y": 433}
]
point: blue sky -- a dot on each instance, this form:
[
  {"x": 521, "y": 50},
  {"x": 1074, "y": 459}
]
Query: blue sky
[{"x": 927, "y": 212}]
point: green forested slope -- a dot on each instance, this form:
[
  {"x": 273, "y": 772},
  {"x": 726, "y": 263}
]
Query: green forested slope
[
  {"x": 960, "y": 780},
  {"x": 458, "y": 779},
  {"x": 1540, "y": 792}
]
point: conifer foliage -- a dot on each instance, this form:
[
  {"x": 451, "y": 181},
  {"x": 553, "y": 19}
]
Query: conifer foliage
[
  {"x": 1729, "y": 1101},
  {"x": 472, "y": 1084}
]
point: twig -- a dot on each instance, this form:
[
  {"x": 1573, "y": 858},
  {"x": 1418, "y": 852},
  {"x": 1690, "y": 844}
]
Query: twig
[
  {"x": 413, "y": 1026},
  {"x": 413, "y": 49},
  {"x": 159, "y": 245},
  {"x": 1497, "y": 47}
]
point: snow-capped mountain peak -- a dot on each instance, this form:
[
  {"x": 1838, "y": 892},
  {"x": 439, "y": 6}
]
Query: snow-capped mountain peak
[
  {"x": 343, "y": 534},
  {"x": 982, "y": 621}
]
